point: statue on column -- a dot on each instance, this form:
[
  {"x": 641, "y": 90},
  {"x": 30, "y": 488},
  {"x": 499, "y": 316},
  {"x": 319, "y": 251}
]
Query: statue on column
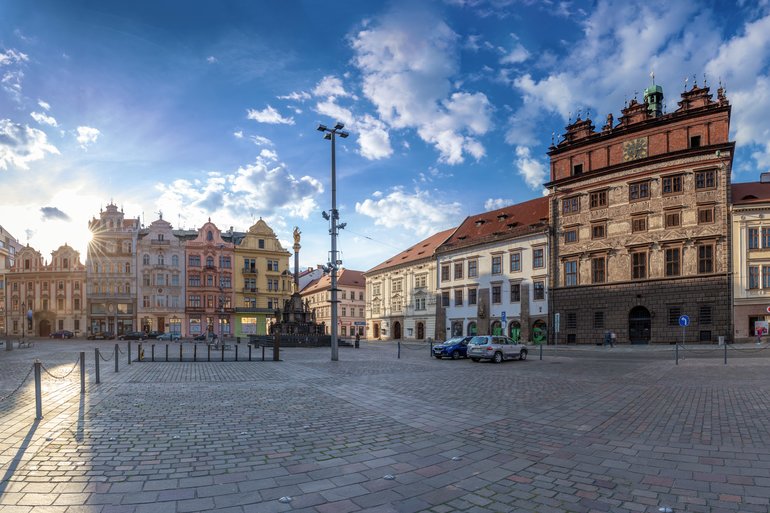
[{"x": 297, "y": 234}]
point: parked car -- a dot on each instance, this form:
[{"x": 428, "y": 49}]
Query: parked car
[
  {"x": 101, "y": 335},
  {"x": 495, "y": 348},
  {"x": 132, "y": 335},
  {"x": 171, "y": 337},
  {"x": 454, "y": 347},
  {"x": 153, "y": 334},
  {"x": 62, "y": 334}
]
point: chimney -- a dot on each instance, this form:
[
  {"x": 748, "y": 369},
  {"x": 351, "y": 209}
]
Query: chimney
[{"x": 764, "y": 177}]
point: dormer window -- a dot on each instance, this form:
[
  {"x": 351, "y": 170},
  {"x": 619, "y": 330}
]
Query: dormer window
[
  {"x": 480, "y": 222},
  {"x": 160, "y": 236},
  {"x": 209, "y": 235},
  {"x": 695, "y": 141},
  {"x": 577, "y": 170},
  {"x": 502, "y": 217}
]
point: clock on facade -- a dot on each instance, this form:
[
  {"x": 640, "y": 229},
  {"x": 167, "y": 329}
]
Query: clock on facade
[{"x": 634, "y": 149}]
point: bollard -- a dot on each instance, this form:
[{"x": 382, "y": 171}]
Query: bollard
[
  {"x": 223, "y": 350},
  {"x": 676, "y": 350},
  {"x": 238, "y": 339},
  {"x": 166, "y": 352},
  {"x": 399, "y": 349},
  {"x": 82, "y": 372},
  {"x": 208, "y": 348},
  {"x": 129, "y": 352},
  {"x": 139, "y": 353},
  {"x": 249, "y": 352},
  {"x": 152, "y": 352},
  {"x": 725, "y": 344},
  {"x": 263, "y": 353},
  {"x": 236, "y": 353},
  {"x": 195, "y": 353},
  {"x": 180, "y": 352},
  {"x": 431, "y": 348},
  {"x": 541, "y": 351},
  {"x": 117, "y": 352},
  {"x": 96, "y": 366},
  {"x": 38, "y": 392}
]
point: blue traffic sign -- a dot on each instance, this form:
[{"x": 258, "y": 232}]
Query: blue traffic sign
[
  {"x": 503, "y": 316},
  {"x": 684, "y": 321}
]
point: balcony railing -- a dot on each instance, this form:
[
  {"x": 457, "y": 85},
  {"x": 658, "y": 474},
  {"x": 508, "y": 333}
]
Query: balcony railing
[
  {"x": 249, "y": 270},
  {"x": 252, "y": 290}
]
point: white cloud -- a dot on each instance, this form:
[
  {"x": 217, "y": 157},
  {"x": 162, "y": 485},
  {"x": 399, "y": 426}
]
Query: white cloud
[
  {"x": 515, "y": 55},
  {"x": 238, "y": 134},
  {"x": 330, "y": 109},
  {"x": 496, "y": 203},
  {"x": 397, "y": 209},
  {"x": 373, "y": 138},
  {"x": 20, "y": 144},
  {"x": 268, "y": 115},
  {"x": 408, "y": 61},
  {"x": 87, "y": 135},
  {"x": 533, "y": 171},
  {"x": 260, "y": 141},
  {"x": 44, "y": 105},
  {"x": 211, "y": 59},
  {"x": 297, "y": 96},
  {"x": 330, "y": 86},
  {"x": 12, "y": 56},
  {"x": 43, "y": 118}
]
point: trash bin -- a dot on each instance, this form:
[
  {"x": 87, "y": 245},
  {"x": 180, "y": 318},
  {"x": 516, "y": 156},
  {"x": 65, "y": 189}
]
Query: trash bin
[{"x": 721, "y": 340}]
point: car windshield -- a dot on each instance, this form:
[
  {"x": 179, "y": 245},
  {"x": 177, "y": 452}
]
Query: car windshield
[{"x": 478, "y": 341}]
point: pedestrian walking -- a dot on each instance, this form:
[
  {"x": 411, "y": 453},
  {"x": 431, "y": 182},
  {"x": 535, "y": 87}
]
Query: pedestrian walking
[
  {"x": 607, "y": 338},
  {"x": 613, "y": 338}
]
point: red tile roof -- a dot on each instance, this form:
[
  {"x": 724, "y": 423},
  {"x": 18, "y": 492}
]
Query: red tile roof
[
  {"x": 346, "y": 278},
  {"x": 750, "y": 192},
  {"x": 421, "y": 250},
  {"x": 501, "y": 224}
]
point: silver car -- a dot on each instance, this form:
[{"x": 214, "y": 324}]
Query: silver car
[{"x": 495, "y": 348}]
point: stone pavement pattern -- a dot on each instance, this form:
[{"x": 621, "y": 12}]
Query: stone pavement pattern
[{"x": 591, "y": 432}]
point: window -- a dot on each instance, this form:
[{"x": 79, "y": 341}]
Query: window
[
  {"x": 420, "y": 282},
  {"x": 571, "y": 323},
  {"x": 146, "y": 259},
  {"x": 210, "y": 261},
  {"x": 76, "y": 303},
  {"x": 673, "y": 261},
  {"x": 539, "y": 290},
  {"x": 471, "y": 296},
  {"x": 515, "y": 262},
  {"x": 473, "y": 268},
  {"x": 704, "y": 315},
  {"x": 639, "y": 265},
  {"x": 672, "y": 184},
  {"x": 194, "y": 261},
  {"x": 598, "y": 199},
  {"x": 537, "y": 258},
  {"x": 753, "y": 238},
  {"x": 459, "y": 297},
  {"x": 445, "y": 272},
  {"x": 194, "y": 301},
  {"x": 754, "y": 277},
  {"x": 225, "y": 262},
  {"x": 496, "y": 294},
  {"x": 695, "y": 141},
  {"x": 515, "y": 292},
  {"x": 570, "y": 273},
  {"x": 598, "y": 320},
  {"x": 419, "y": 304},
  {"x": 261, "y": 243},
  {"x": 598, "y": 230},
  {"x": 570, "y": 235},
  {"x": 376, "y": 289},
  {"x": 598, "y": 270},
  {"x": 705, "y": 259},
  {"x": 766, "y": 237},
  {"x": 766, "y": 276},
  {"x": 639, "y": 191},
  {"x": 161, "y": 260},
  {"x": 344, "y": 311},
  {"x": 673, "y": 219},
  {"x": 674, "y": 313},
  {"x": 458, "y": 270},
  {"x": 570, "y": 205},
  {"x": 497, "y": 264},
  {"x": 639, "y": 224},
  {"x": 705, "y": 179},
  {"x": 706, "y": 216},
  {"x": 445, "y": 298},
  {"x": 577, "y": 170}
]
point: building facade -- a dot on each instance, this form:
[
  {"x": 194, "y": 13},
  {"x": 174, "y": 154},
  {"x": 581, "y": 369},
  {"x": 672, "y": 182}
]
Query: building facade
[
  {"x": 46, "y": 297},
  {"x": 9, "y": 246},
  {"x": 111, "y": 272},
  {"x": 493, "y": 274},
  {"x": 351, "y": 308},
  {"x": 262, "y": 279},
  {"x": 639, "y": 214},
  {"x": 401, "y": 294},
  {"x": 160, "y": 269},
  {"x": 209, "y": 291},
  {"x": 751, "y": 257}
]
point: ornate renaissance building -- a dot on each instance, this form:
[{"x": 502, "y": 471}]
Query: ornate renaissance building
[
  {"x": 9, "y": 246},
  {"x": 351, "y": 286},
  {"x": 639, "y": 215}
]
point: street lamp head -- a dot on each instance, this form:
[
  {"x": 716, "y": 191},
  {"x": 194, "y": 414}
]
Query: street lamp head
[
  {"x": 342, "y": 226},
  {"x": 344, "y": 135},
  {"x": 339, "y": 126},
  {"x": 325, "y": 215},
  {"x": 328, "y": 135},
  {"x": 322, "y": 128}
]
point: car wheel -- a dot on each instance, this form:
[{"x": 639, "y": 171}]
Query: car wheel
[
  {"x": 523, "y": 354},
  {"x": 498, "y": 358},
  {"x": 475, "y": 360},
  {"x": 455, "y": 355}
]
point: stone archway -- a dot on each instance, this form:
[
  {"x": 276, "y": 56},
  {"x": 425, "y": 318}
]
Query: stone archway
[
  {"x": 639, "y": 325},
  {"x": 539, "y": 332},
  {"x": 44, "y": 328},
  {"x": 472, "y": 330},
  {"x": 496, "y": 328},
  {"x": 420, "y": 331},
  {"x": 397, "y": 330},
  {"x": 376, "y": 331},
  {"x": 514, "y": 330}
]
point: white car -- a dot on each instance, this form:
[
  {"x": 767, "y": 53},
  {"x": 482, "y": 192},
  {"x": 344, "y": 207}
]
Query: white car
[{"x": 495, "y": 348}]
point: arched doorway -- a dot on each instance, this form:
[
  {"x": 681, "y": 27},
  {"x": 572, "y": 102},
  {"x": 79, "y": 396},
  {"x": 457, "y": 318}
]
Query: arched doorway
[
  {"x": 376, "y": 331},
  {"x": 472, "y": 330},
  {"x": 514, "y": 330},
  {"x": 45, "y": 328},
  {"x": 539, "y": 332},
  {"x": 639, "y": 325},
  {"x": 420, "y": 331},
  {"x": 397, "y": 330},
  {"x": 457, "y": 329},
  {"x": 496, "y": 328}
]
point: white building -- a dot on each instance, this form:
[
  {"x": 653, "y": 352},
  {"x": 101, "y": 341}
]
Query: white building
[
  {"x": 401, "y": 294},
  {"x": 493, "y": 273}
]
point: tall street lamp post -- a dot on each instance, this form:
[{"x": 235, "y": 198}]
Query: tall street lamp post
[
  {"x": 334, "y": 262},
  {"x": 23, "y": 320}
]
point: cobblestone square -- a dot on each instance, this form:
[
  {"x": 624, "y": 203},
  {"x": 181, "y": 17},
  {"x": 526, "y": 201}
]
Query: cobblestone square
[{"x": 585, "y": 429}]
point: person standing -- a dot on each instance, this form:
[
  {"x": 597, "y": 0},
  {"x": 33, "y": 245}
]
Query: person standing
[{"x": 613, "y": 338}]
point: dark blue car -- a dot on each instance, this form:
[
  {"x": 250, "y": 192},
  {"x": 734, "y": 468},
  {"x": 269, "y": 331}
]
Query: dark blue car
[{"x": 454, "y": 348}]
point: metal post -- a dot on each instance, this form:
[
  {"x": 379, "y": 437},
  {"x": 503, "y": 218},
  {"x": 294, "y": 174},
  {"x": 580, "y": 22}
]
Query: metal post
[
  {"x": 117, "y": 352},
  {"x": 223, "y": 351},
  {"x": 208, "y": 347},
  {"x": 263, "y": 353},
  {"x": 166, "y": 352},
  {"x": 152, "y": 350},
  {"x": 82, "y": 372},
  {"x": 399, "y": 349},
  {"x": 38, "y": 392},
  {"x": 139, "y": 353},
  {"x": 180, "y": 352},
  {"x": 129, "y": 352},
  {"x": 96, "y": 366},
  {"x": 236, "y": 353},
  {"x": 249, "y": 352},
  {"x": 676, "y": 350},
  {"x": 541, "y": 351},
  {"x": 725, "y": 344},
  {"x": 335, "y": 216},
  {"x": 195, "y": 353}
]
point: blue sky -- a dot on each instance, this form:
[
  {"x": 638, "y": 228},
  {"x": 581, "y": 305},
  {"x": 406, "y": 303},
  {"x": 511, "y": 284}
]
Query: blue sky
[{"x": 209, "y": 109}]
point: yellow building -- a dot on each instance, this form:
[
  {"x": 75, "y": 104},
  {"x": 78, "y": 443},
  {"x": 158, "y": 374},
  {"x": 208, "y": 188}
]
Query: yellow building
[{"x": 262, "y": 279}]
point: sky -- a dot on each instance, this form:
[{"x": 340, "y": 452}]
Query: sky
[{"x": 201, "y": 110}]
